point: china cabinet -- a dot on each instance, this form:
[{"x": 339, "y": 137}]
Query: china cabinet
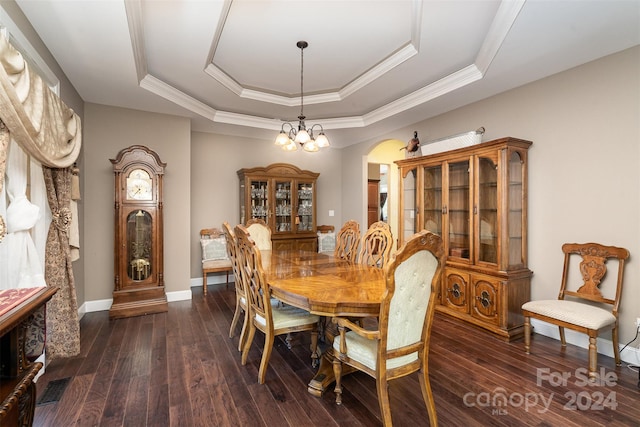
[
  {"x": 138, "y": 248},
  {"x": 476, "y": 199},
  {"x": 284, "y": 196}
]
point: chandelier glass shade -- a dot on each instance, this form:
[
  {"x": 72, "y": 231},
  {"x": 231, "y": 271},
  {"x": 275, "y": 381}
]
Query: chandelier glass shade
[{"x": 289, "y": 139}]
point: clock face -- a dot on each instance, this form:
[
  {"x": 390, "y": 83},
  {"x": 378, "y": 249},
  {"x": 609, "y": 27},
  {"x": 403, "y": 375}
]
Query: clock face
[{"x": 139, "y": 186}]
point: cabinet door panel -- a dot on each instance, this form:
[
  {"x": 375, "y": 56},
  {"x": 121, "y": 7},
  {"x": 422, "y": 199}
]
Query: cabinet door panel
[
  {"x": 282, "y": 206},
  {"x": 409, "y": 203},
  {"x": 432, "y": 199},
  {"x": 305, "y": 221},
  {"x": 516, "y": 218},
  {"x": 485, "y": 299},
  {"x": 487, "y": 210},
  {"x": 458, "y": 210},
  {"x": 455, "y": 290},
  {"x": 259, "y": 195}
]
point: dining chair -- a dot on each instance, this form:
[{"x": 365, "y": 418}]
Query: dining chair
[
  {"x": 214, "y": 255},
  {"x": 580, "y": 305},
  {"x": 348, "y": 241},
  {"x": 260, "y": 233},
  {"x": 400, "y": 345},
  {"x": 376, "y": 245},
  {"x": 241, "y": 294},
  {"x": 265, "y": 314}
]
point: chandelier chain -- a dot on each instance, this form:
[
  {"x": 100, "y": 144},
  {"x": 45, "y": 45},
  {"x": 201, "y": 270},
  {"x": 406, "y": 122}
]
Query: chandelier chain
[{"x": 301, "y": 82}]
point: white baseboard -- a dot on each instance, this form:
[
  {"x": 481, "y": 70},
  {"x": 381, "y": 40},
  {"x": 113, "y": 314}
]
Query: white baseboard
[
  {"x": 630, "y": 355},
  {"x": 105, "y": 304}
]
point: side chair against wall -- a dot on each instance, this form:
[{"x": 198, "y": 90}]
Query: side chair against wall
[
  {"x": 260, "y": 233},
  {"x": 241, "y": 295},
  {"x": 585, "y": 310},
  {"x": 400, "y": 345},
  {"x": 326, "y": 238},
  {"x": 376, "y": 245},
  {"x": 214, "y": 255},
  {"x": 265, "y": 314},
  {"x": 347, "y": 241}
]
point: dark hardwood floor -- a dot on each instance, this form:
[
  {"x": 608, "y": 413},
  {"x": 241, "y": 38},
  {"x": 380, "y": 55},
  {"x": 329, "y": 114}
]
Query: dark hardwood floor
[{"x": 181, "y": 369}]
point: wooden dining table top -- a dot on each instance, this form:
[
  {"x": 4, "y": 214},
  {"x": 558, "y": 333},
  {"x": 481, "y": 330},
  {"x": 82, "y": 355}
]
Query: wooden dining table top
[{"x": 323, "y": 284}]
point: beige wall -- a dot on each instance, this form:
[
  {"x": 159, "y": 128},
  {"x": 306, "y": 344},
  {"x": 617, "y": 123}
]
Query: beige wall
[
  {"x": 215, "y": 159},
  {"x": 584, "y": 170},
  {"x": 107, "y": 131}
]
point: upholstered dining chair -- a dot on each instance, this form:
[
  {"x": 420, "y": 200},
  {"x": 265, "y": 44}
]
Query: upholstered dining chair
[
  {"x": 376, "y": 245},
  {"x": 400, "y": 345},
  {"x": 581, "y": 306},
  {"x": 260, "y": 233},
  {"x": 265, "y": 314},
  {"x": 348, "y": 241},
  {"x": 241, "y": 294},
  {"x": 214, "y": 255}
]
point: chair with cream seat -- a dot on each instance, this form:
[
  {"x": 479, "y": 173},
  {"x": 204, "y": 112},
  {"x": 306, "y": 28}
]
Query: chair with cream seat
[
  {"x": 260, "y": 233},
  {"x": 241, "y": 294},
  {"x": 400, "y": 345},
  {"x": 348, "y": 241},
  {"x": 264, "y": 313},
  {"x": 214, "y": 255},
  {"x": 376, "y": 245},
  {"x": 581, "y": 305}
]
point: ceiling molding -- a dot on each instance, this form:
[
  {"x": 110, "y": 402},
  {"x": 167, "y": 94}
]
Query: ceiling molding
[
  {"x": 502, "y": 23},
  {"x": 505, "y": 17},
  {"x": 136, "y": 34},
  {"x": 168, "y": 92}
]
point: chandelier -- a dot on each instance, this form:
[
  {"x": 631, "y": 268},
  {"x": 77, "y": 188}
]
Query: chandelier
[{"x": 304, "y": 137}]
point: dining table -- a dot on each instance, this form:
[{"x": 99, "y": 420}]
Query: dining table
[{"x": 327, "y": 286}]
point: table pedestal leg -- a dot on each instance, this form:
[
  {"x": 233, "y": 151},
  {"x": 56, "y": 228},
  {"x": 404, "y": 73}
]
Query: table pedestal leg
[{"x": 324, "y": 377}]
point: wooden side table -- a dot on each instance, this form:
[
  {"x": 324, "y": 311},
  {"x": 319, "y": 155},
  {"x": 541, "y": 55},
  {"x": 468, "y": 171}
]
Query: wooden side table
[{"x": 17, "y": 389}]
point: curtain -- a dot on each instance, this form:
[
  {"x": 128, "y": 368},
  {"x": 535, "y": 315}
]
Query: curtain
[
  {"x": 50, "y": 132},
  {"x": 24, "y": 269},
  {"x": 63, "y": 330}
]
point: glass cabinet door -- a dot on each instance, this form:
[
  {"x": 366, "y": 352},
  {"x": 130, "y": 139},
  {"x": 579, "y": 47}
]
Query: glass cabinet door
[
  {"x": 305, "y": 220},
  {"x": 458, "y": 209},
  {"x": 516, "y": 217},
  {"x": 409, "y": 204},
  {"x": 283, "y": 205},
  {"x": 487, "y": 210},
  {"x": 432, "y": 211},
  {"x": 260, "y": 200}
]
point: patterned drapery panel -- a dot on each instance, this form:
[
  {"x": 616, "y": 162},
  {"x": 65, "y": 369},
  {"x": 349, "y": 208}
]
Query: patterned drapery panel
[{"x": 63, "y": 327}]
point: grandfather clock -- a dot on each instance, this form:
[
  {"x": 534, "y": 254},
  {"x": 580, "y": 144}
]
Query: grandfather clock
[{"x": 138, "y": 248}]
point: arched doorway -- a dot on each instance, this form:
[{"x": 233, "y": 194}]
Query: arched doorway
[{"x": 383, "y": 172}]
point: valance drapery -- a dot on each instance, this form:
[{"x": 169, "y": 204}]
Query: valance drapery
[{"x": 43, "y": 125}]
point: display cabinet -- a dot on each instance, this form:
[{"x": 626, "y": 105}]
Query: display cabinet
[
  {"x": 476, "y": 199},
  {"x": 284, "y": 196}
]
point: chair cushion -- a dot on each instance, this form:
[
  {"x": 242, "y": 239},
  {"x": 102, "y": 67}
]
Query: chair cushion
[
  {"x": 364, "y": 351},
  {"x": 288, "y": 316},
  {"x": 326, "y": 242},
  {"x": 216, "y": 264},
  {"x": 576, "y": 313},
  {"x": 214, "y": 249}
]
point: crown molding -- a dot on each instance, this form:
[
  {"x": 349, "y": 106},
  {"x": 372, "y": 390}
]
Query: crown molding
[{"x": 502, "y": 23}]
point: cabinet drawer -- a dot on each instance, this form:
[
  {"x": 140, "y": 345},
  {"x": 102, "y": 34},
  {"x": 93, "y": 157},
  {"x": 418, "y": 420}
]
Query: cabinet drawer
[{"x": 455, "y": 290}]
